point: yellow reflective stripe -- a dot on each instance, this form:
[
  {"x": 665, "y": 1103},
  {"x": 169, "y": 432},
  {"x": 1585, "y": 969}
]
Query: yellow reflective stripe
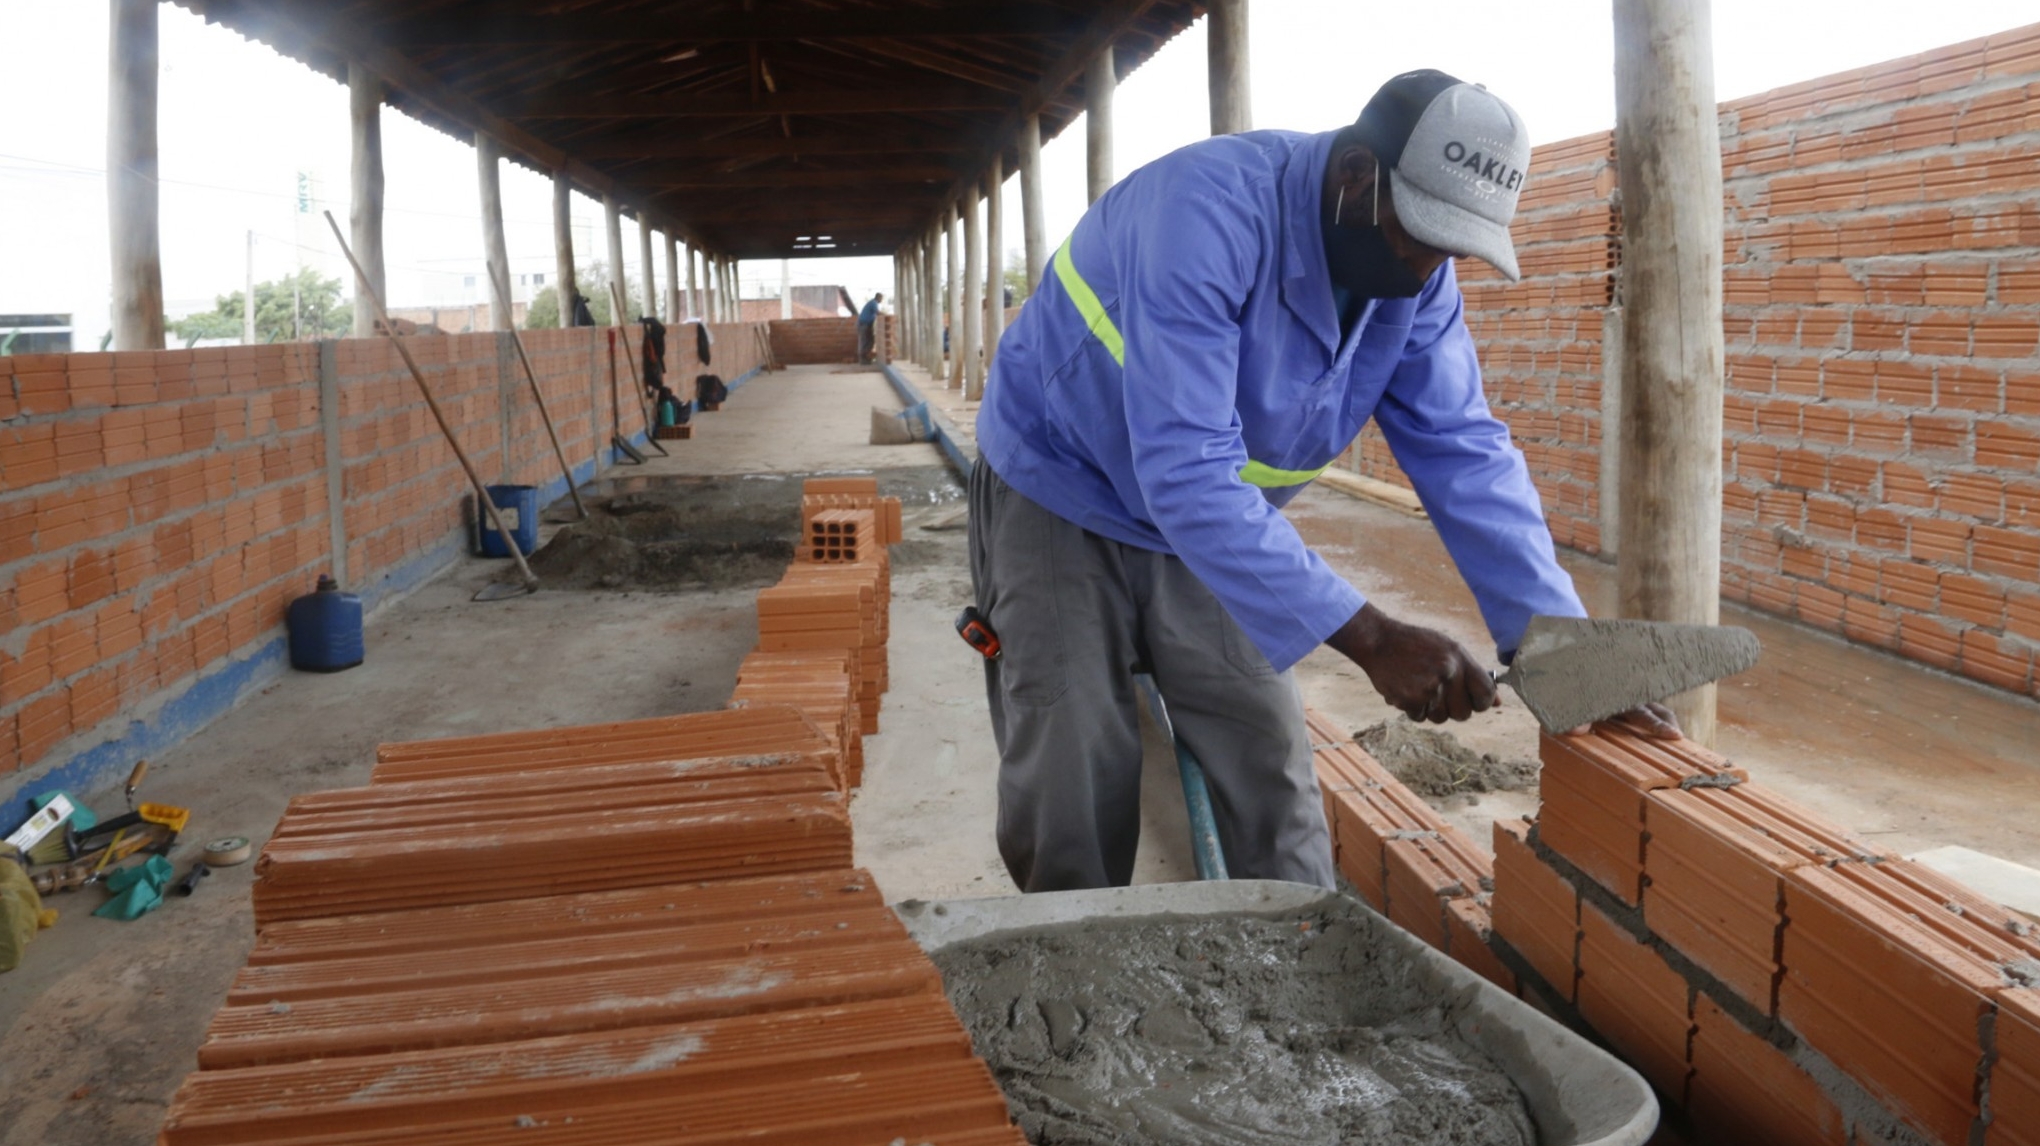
[
  {"x": 1268, "y": 477},
  {"x": 1102, "y": 328},
  {"x": 1080, "y": 292}
]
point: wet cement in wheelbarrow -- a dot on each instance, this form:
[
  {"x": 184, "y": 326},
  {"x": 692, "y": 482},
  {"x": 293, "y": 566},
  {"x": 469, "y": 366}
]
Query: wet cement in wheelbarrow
[{"x": 1236, "y": 1030}]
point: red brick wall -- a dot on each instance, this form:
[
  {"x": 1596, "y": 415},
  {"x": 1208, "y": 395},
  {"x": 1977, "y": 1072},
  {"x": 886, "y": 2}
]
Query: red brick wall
[
  {"x": 1540, "y": 339},
  {"x": 814, "y": 340},
  {"x": 1882, "y": 314},
  {"x": 158, "y": 510}
]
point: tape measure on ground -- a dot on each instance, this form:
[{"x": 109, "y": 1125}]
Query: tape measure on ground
[{"x": 228, "y": 851}]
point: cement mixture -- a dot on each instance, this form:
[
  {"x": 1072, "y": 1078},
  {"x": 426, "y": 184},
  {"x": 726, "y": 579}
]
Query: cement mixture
[
  {"x": 1433, "y": 762},
  {"x": 1235, "y": 1030}
]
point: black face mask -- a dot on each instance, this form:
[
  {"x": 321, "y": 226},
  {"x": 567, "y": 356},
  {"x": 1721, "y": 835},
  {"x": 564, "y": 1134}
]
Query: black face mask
[{"x": 1362, "y": 262}]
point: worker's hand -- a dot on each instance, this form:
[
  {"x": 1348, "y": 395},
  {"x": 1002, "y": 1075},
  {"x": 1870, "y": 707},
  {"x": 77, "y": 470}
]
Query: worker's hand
[
  {"x": 1651, "y": 720},
  {"x": 1423, "y": 672}
]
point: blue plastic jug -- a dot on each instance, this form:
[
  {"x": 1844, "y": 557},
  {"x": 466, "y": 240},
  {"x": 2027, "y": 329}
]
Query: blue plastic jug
[{"x": 325, "y": 629}]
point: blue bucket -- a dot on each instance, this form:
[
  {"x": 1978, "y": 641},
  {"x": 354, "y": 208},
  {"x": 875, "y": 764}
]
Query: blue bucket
[{"x": 519, "y": 506}]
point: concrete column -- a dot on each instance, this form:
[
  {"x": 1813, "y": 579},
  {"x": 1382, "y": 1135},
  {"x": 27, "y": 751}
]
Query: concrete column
[
  {"x": 493, "y": 245},
  {"x": 567, "y": 286},
  {"x": 617, "y": 282},
  {"x": 1034, "y": 229},
  {"x": 693, "y": 285},
  {"x": 1225, "y": 27},
  {"x": 1101, "y": 78},
  {"x": 365, "y": 189},
  {"x": 646, "y": 269},
  {"x": 785, "y": 288},
  {"x": 954, "y": 297},
  {"x": 336, "y": 460},
  {"x": 973, "y": 299},
  {"x": 931, "y": 301},
  {"x": 1668, "y": 147},
  {"x": 134, "y": 232},
  {"x": 672, "y": 278},
  {"x": 995, "y": 261}
]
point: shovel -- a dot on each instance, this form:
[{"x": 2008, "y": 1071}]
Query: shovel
[{"x": 1572, "y": 670}]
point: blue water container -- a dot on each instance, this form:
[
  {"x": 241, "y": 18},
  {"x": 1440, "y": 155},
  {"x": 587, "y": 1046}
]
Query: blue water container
[
  {"x": 325, "y": 629},
  {"x": 519, "y": 506}
]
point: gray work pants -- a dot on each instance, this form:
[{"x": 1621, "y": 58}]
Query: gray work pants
[{"x": 1076, "y": 613}]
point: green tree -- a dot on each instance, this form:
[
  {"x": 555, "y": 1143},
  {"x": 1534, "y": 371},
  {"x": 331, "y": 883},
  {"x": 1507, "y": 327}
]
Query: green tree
[
  {"x": 1016, "y": 275},
  {"x": 593, "y": 283},
  {"x": 303, "y": 305}
]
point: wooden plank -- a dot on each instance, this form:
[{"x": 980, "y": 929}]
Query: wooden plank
[
  {"x": 782, "y": 23},
  {"x": 821, "y": 101}
]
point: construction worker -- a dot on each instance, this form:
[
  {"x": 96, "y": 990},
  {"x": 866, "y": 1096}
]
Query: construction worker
[
  {"x": 867, "y": 322},
  {"x": 1216, "y": 330}
]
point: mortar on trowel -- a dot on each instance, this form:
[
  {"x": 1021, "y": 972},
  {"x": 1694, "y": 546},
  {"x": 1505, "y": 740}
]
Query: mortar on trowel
[{"x": 1572, "y": 671}]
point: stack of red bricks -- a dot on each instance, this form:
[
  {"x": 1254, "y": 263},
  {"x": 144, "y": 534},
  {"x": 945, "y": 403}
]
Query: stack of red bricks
[
  {"x": 1776, "y": 977},
  {"x": 822, "y": 630},
  {"x": 632, "y": 932}
]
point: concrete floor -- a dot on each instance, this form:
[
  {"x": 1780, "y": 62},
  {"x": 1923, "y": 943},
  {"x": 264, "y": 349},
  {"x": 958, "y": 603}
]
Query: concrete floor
[{"x": 100, "y": 1024}]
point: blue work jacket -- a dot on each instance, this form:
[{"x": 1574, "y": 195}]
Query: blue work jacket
[{"x": 1180, "y": 375}]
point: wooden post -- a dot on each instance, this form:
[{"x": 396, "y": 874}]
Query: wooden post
[
  {"x": 495, "y": 250},
  {"x": 995, "y": 262},
  {"x": 1101, "y": 78},
  {"x": 1225, "y": 28},
  {"x": 365, "y": 190},
  {"x": 1034, "y": 231},
  {"x": 646, "y": 269},
  {"x": 1668, "y": 149},
  {"x": 568, "y": 287},
  {"x": 955, "y": 297},
  {"x": 973, "y": 299},
  {"x": 672, "y": 277},
  {"x": 134, "y": 232},
  {"x": 617, "y": 251}
]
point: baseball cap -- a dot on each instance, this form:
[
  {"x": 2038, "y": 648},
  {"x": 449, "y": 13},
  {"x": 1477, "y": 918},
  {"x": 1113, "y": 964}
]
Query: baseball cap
[{"x": 1456, "y": 158}]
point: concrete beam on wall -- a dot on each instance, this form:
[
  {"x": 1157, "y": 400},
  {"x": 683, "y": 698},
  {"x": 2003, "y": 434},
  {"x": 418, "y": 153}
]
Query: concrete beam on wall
[{"x": 336, "y": 460}]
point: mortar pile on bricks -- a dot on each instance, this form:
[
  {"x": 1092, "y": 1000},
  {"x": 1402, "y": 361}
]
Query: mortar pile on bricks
[
  {"x": 1777, "y": 979},
  {"x": 605, "y": 931}
]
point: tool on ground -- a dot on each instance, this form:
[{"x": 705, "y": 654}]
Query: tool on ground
[
  {"x": 502, "y": 289},
  {"x": 134, "y": 781},
  {"x": 191, "y": 879},
  {"x": 977, "y": 632},
  {"x": 228, "y": 851},
  {"x": 367, "y": 291},
  {"x": 636, "y": 383},
  {"x": 1572, "y": 671},
  {"x": 45, "y": 821}
]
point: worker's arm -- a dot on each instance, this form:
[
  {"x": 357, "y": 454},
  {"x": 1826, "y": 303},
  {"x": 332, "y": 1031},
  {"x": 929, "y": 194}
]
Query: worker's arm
[
  {"x": 1182, "y": 283},
  {"x": 1470, "y": 477}
]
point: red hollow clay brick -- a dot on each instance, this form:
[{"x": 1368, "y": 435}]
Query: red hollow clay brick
[
  {"x": 1885, "y": 1000},
  {"x": 1746, "y": 1091},
  {"x": 1633, "y": 999},
  {"x": 1535, "y": 910},
  {"x": 2015, "y": 1076}
]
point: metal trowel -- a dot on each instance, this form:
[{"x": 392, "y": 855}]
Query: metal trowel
[{"x": 1575, "y": 670}]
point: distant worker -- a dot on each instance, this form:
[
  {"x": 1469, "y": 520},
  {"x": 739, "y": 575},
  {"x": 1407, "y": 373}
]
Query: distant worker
[
  {"x": 867, "y": 324},
  {"x": 1218, "y": 328}
]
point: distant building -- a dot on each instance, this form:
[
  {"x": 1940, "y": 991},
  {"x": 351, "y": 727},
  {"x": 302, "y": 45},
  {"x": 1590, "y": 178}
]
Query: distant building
[{"x": 35, "y": 334}]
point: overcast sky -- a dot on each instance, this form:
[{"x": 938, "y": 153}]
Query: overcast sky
[{"x": 239, "y": 123}]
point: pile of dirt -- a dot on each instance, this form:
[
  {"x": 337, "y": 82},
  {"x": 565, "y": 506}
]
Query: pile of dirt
[
  {"x": 675, "y": 532},
  {"x": 701, "y": 534},
  {"x": 1205, "y": 1031},
  {"x": 1434, "y": 763}
]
